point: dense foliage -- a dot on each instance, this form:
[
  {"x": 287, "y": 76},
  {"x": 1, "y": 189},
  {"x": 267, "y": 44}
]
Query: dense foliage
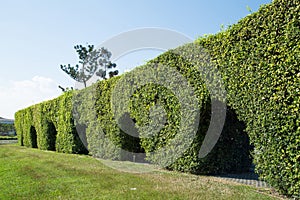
[
  {"x": 259, "y": 61},
  {"x": 49, "y": 126},
  {"x": 162, "y": 109},
  {"x": 143, "y": 111}
]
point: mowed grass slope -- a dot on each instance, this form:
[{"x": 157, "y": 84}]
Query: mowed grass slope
[{"x": 33, "y": 174}]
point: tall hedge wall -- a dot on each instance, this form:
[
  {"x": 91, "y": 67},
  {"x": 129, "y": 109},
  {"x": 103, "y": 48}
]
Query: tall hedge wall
[
  {"x": 232, "y": 150},
  {"x": 49, "y": 126},
  {"x": 258, "y": 60},
  {"x": 108, "y": 138}
]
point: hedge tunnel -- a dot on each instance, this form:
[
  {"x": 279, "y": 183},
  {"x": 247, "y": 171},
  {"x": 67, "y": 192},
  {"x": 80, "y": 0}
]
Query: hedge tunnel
[
  {"x": 51, "y": 135},
  {"x": 33, "y": 137},
  {"x": 258, "y": 59}
]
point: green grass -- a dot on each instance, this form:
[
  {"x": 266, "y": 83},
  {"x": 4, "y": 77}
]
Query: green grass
[{"x": 33, "y": 174}]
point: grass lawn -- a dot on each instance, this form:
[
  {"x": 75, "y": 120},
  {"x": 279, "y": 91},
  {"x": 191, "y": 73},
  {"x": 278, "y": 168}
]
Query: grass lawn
[{"x": 34, "y": 174}]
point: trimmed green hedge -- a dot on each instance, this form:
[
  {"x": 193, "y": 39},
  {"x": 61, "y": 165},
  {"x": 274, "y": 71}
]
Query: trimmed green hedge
[
  {"x": 108, "y": 138},
  {"x": 258, "y": 60},
  {"x": 95, "y": 120},
  {"x": 8, "y": 137},
  {"x": 232, "y": 151},
  {"x": 260, "y": 64},
  {"x": 49, "y": 126}
]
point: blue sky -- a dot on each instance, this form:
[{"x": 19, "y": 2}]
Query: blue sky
[{"x": 38, "y": 36}]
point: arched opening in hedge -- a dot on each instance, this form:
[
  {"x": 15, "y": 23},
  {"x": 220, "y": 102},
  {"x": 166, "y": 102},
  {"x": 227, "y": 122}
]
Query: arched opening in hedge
[
  {"x": 52, "y": 133},
  {"x": 33, "y": 137},
  {"x": 131, "y": 142},
  {"x": 22, "y": 140},
  {"x": 79, "y": 133}
]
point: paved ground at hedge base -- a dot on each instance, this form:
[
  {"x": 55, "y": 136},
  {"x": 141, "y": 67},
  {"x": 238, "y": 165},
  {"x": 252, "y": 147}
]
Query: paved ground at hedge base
[
  {"x": 245, "y": 178},
  {"x": 8, "y": 141}
]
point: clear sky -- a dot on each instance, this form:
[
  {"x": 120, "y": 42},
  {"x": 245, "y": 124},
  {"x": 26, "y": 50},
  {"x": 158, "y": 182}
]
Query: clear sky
[{"x": 38, "y": 36}]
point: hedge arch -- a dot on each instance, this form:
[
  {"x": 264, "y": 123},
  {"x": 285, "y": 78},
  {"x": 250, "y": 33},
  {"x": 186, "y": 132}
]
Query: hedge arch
[
  {"x": 51, "y": 135},
  {"x": 33, "y": 137},
  {"x": 21, "y": 140}
]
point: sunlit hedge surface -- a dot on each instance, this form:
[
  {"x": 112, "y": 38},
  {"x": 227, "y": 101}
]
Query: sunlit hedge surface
[
  {"x": 259, "y": 59},
  {"x": 138, "y": 114},
  {"x": 49, "y": 126}
]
